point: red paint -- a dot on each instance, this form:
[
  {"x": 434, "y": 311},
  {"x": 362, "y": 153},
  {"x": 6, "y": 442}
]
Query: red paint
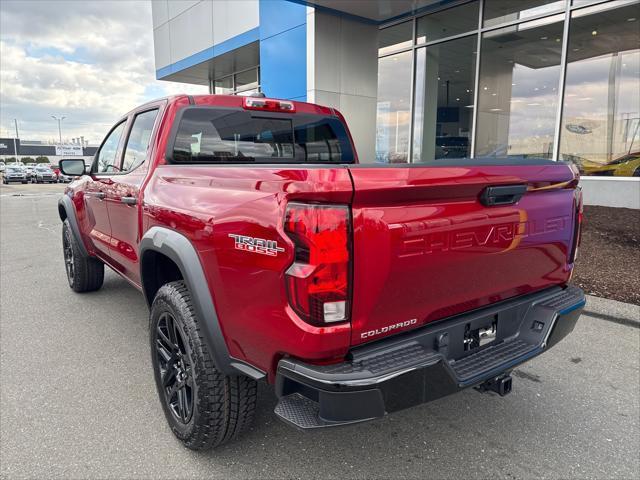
[{"x": 422, "y": 247}]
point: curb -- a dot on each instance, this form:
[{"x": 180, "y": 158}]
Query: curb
[{"x": 613, "y": 311}]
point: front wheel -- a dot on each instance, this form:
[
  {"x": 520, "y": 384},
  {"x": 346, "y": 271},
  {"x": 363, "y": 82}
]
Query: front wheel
[
  {"x": 203, "y": 407},
  {"x": 84, "y": 274}
]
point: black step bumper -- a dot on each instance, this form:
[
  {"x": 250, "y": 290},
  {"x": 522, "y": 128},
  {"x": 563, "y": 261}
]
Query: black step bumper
[{"x": 425, "y": 364}]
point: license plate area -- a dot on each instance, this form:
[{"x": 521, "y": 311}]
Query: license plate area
[{"x": 476, "y": 336}]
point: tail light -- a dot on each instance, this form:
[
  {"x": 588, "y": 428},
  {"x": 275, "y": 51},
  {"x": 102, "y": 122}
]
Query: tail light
[
  {"x": 577, "y": 226},
  {"x": 318, "y": 280},
  {"x": 268, "y": 104}
]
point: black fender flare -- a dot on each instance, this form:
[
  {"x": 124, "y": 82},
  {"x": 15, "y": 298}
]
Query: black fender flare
[
  {"x": 181, "y": 251},
  {"x": 65, "y": 204}
]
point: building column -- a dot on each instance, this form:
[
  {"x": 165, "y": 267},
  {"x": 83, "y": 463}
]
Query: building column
[
  {"x": 283, "y": 49},
  {"x": 342, "y": 72}
]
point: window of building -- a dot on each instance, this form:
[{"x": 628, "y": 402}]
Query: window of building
[
  {"x": 600, "y": 129},
  {"x": 442, "y": 120},
  {"x": 246, "y": 81},
  {"x": 224, "y": 86},
  {"x": 497, "y": 12},
  {"x": 395, "y": 38},
  {"x": 518, "y": 89},
  {"x": 394, "y": 108},
  {"x": 135, "y": 152},
  {"x": 238, "y": 83},
  {"x": 447, "y": 23}
]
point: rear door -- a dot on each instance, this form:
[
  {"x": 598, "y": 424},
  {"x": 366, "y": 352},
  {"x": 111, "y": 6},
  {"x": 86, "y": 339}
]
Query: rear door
[{"x": 434, "y": 241}]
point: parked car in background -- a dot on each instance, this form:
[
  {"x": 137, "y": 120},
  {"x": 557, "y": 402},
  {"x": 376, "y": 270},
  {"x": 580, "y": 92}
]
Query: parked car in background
[
  {"x": 2, "y": 166},
  {"x": 62, "y": 178},
  {"x": 29, "y": 167},
  {"x": 627, "y": 165},
  {"x": 44, "y": 174},
  {"x": 14, "y": 174}
]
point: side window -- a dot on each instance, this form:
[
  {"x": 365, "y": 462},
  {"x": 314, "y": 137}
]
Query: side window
[
  {"x": 107, "y": 157},
  {"x": 135, "y": 152}
]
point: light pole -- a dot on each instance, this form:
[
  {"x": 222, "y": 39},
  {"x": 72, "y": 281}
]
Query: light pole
[{"x": 59, "y": 120}]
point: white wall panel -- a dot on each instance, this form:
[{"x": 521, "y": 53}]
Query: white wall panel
[
  {"x": 176, "y": 7},
  {"x": 162, "y": 46},
  {"x": 191, "y": 31},
  {"x": 611, "y": 192},
  {"x": 159, "y": 12}
]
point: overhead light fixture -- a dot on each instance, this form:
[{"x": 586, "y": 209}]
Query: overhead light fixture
[{"x": 594, "y": 33}]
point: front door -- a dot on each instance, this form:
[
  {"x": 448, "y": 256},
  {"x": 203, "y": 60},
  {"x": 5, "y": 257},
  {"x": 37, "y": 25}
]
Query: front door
[
  {"x": 96, "y": 189},
  {"x": 124, "y": 195}
]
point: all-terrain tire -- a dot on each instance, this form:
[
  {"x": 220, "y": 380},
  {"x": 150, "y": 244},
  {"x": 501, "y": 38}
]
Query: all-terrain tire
[
  {"x": 84, "y": 273},
  {"x": 222, "y": 406}
]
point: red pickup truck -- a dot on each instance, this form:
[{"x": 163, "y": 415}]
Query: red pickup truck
[{"x": 266, "y": 251}]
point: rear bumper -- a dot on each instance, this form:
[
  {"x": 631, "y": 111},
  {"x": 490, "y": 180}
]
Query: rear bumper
[{"x": 424, "y": 365}]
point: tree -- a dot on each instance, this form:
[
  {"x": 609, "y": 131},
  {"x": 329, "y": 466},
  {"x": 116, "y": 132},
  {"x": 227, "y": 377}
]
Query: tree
[
  {"x": 27, "y": 160},
  {"x": 42, "y": 159},
  {"x": 10, "y": 160}
]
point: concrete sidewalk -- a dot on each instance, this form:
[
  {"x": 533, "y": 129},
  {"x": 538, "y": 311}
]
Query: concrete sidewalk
[{"x": 614, "y": 311}]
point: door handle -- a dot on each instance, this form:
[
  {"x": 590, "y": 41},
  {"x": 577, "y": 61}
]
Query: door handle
[
  {"x": 129, "y": 200},
  {"x": 502, "y": 195},
  {"x": 98, "y": 195}
]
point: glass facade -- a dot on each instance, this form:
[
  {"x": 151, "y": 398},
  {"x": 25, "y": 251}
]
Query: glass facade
[
  {"x": 244, "y": 82},
  {"x": 518, "y": 89},
  {"x": 557, "y": 79},
  {"x": 601, "y": 113},
  {"x": 394, "y": 108}
]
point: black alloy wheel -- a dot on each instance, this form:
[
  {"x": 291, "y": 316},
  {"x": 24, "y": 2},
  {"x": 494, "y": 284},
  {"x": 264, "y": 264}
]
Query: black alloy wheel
[
  {"x": 67, "y": 248},
  {"x": 175, "y": 366}
]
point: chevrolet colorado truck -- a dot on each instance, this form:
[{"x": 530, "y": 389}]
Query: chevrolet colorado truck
[{"x": 266, "y": 251}]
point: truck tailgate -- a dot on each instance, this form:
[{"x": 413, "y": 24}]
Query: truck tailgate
[{"x": 426, "y": 247}]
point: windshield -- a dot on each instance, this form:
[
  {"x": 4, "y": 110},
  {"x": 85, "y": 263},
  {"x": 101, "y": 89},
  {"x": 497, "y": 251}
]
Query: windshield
[
  {"x": 222, "y": 135},
  {"x": 14, "y": 169}
]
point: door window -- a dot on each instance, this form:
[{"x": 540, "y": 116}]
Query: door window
[
  {"x": 135, "y": 152},
  {"x": 108, "y": 155}
]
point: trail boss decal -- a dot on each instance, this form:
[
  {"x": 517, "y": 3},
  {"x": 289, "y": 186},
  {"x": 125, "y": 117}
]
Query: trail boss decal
[{"x": 256, "y": 245}]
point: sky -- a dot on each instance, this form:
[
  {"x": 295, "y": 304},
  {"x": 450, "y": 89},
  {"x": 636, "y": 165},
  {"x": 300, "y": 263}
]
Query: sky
[{"x": 90, "y": 61}]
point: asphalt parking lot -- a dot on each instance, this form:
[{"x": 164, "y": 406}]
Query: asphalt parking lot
[{"x": 78, "y": 401}]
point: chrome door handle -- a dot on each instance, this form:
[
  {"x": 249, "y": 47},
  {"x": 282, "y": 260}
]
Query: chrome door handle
[
  {"x": 129, "y": 200},
  {"x": 98, "y": 195}
]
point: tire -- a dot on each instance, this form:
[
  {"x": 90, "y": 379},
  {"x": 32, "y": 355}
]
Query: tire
[
  {"x": 217, "y": 407},
  {"x": 84, "y": 274}
]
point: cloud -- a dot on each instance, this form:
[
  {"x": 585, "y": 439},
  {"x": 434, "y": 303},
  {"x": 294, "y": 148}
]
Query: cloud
[{"x": 89, "y": 61}]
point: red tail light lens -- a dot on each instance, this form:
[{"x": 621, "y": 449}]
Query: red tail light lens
[{"x": 318, "y": 280}]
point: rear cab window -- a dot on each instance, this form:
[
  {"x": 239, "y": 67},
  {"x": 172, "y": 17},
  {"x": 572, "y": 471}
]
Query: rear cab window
[{"x": 228, "y": 135}]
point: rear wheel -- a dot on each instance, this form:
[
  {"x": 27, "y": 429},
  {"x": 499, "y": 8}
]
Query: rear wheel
[
  {"x": 85, "y": 274},
  {"x": 203, "y": 407}
]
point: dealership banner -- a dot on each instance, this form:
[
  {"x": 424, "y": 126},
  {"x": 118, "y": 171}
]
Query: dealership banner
[{"x": 69, "y": 150}]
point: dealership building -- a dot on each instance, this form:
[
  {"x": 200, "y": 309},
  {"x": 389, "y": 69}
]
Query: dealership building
[{"x": 422, "y": 80}]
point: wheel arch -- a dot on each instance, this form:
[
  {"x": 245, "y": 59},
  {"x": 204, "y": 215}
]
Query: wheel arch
[
  {"x": 67, "y": 211},
  {"x": 161, "y": 244}
]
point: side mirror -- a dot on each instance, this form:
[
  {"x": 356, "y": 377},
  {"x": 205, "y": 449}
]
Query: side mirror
[{"x": 73, "y": 167}]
